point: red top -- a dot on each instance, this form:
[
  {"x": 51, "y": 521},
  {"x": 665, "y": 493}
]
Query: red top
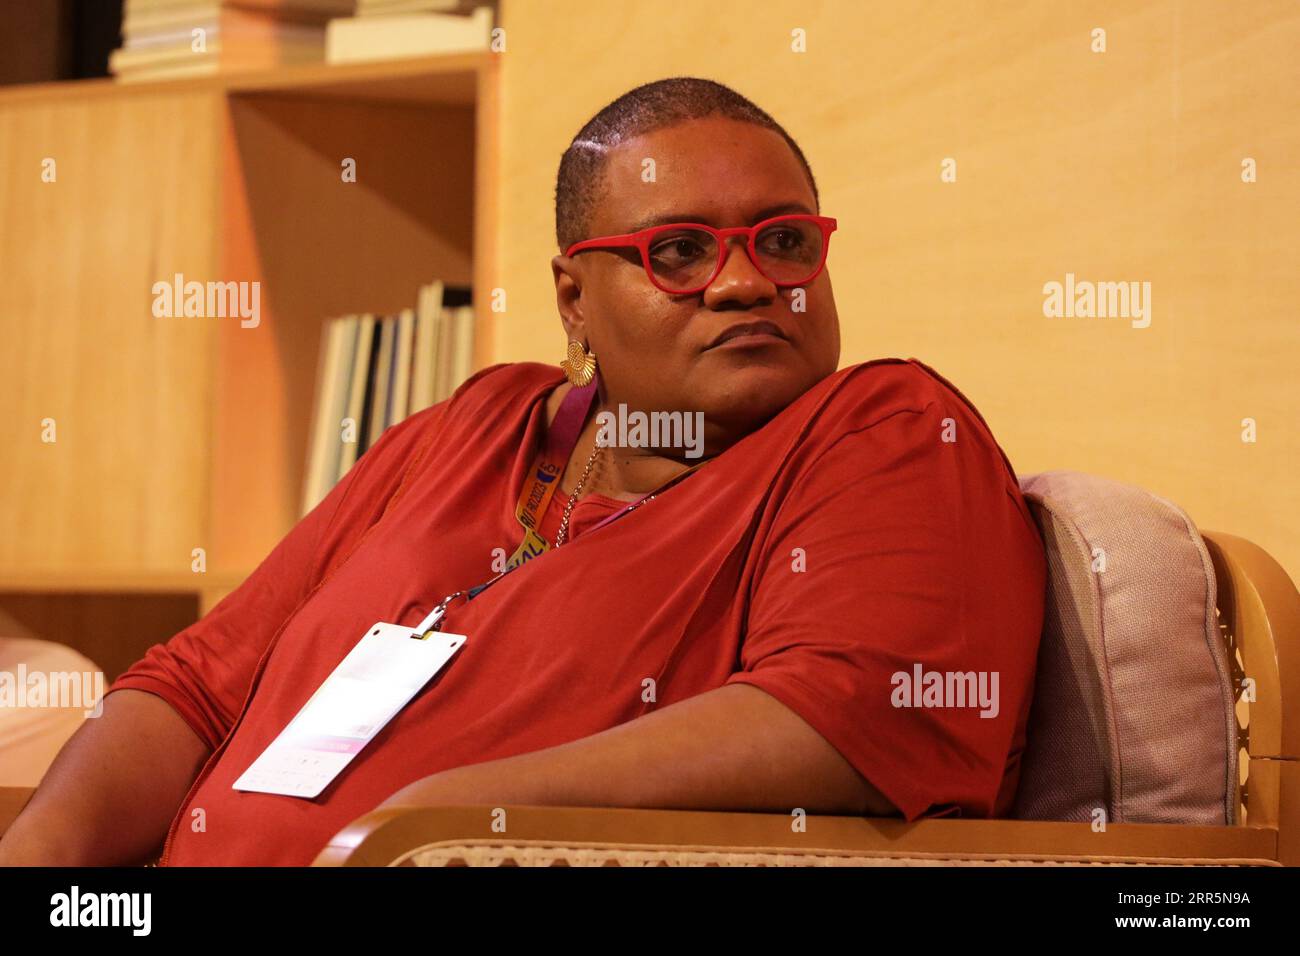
[{"x": 914, "y": 546}]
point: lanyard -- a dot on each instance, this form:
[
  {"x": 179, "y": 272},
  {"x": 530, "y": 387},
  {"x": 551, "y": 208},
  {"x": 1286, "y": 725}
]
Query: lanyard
[
  {"x": 544, "y": 476},
  {"x": 539, "y": 488}
]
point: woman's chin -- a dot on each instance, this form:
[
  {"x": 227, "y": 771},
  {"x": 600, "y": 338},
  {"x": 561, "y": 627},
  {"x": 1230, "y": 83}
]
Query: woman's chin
[{"x": 746, "y": 397}]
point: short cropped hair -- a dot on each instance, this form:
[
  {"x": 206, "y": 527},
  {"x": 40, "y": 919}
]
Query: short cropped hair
[{"x": 652, "y": 106}]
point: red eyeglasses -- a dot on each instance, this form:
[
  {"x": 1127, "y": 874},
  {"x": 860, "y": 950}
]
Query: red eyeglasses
[{"x": 686, "y": 257}]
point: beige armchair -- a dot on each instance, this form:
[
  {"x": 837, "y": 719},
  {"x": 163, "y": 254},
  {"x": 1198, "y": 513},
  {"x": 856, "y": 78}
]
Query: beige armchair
[{"x": 1144, "y": 745}]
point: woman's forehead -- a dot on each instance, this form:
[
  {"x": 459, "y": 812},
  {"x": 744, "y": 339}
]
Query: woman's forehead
[
  {"x": 734, "y": 212},
  {"x": 716, "y": 171}
]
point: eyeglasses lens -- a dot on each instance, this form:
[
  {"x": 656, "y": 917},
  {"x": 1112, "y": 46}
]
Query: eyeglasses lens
[{"x": 789, "y": 252}]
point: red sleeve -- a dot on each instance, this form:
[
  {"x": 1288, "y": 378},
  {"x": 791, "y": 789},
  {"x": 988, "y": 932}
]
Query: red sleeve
[
  {"x": 917, "y": 551},
  {"x": 205, "y": 671}
]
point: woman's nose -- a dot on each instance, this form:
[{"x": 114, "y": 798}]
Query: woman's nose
[{"x": 739, "y": 275}]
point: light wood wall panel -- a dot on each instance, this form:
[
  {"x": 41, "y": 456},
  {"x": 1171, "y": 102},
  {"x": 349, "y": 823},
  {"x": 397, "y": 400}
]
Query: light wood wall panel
[
  {"x": 1123, "y": 165},
  {"x": 125, "y": 484}
]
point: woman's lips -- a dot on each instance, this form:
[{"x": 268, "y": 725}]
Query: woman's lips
[{"x": 749, "y": 335}]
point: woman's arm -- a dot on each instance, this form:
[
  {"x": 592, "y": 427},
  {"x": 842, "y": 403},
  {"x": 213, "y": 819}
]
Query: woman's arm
[
  {"x": 111, "y": 793},
  {"x": 732, "y": 748}
]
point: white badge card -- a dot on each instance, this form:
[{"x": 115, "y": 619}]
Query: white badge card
[{"x": 388, "y": 667}]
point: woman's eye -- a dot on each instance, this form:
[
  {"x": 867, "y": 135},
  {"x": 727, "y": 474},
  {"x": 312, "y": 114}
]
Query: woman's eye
[
  {"x": 677, "y": 249},
  {"x": 781, "y": 240}
]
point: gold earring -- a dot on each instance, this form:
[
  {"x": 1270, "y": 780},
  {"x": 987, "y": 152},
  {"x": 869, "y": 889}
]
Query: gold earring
[{"x": 579, "y": 365}]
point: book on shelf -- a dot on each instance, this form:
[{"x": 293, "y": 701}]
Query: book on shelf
[
  {"x": 399, "y": 396},
  {"x": 153, "y": 63},
  {"x": 358, "y": 380},
  {"x": 428, "y": 307},
  {"x": 143, "y": 24},
  {"x": 318, "y": 8},
  {"x": 374, "y": 371},
  {"x": 173, "y": 38},
  {"x": 352, "y": 39},
  {"x": 385, "y": 8},
  {"x": 381, "y": 373},
  {"x": 323, "y": 444}
]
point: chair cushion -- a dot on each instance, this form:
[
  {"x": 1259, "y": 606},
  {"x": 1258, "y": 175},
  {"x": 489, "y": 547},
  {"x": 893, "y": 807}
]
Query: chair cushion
[
  {"x": 31, "y": 736},
  {"x": 1133, "y": 702}
]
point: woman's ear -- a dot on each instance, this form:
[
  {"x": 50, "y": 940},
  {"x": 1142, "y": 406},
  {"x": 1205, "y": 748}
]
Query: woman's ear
[{"x": 568, "y": 297}]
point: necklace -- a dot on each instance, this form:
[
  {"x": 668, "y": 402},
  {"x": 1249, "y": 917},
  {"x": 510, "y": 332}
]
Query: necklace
[{"x": 573, "y": 497}]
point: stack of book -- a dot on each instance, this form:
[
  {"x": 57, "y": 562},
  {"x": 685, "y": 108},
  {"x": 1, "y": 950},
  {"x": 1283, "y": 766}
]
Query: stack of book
[
  {"x": 374, "y": 371},
  {"x": 175, "y": 38},
  {"x": 397, "y": 8},
  {"x": 389, "y": 29}
]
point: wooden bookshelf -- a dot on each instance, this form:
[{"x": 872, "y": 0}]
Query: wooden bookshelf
[
  {"x": 453, "y": 80},
  {"x": 192, "y": 432}
]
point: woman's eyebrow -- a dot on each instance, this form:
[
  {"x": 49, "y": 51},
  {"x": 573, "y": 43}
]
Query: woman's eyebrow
[{"x": 766, "y": 213}]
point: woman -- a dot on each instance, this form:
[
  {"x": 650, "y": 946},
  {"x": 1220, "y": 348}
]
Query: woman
[{"x": 777, "y": 620}]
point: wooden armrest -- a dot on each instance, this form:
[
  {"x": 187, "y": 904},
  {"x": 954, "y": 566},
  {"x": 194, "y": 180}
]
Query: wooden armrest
[{"x": 440, "y": 835}]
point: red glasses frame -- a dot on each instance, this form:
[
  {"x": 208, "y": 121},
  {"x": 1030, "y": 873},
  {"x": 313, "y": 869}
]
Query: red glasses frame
[{"x": 641, "y": 241}]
